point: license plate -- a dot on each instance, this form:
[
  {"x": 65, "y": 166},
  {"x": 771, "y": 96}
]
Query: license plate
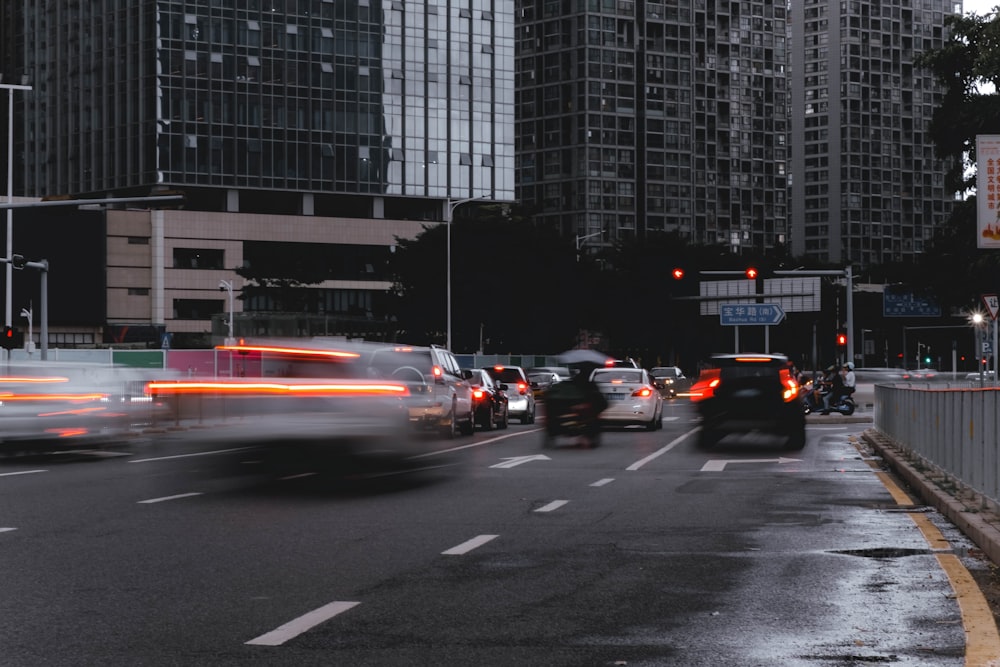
[{"x": 615, "y": 397}]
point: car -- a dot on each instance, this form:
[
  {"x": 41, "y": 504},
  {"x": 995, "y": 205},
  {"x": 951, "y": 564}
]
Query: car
[
  {"x": 541, "y": 381},
  {"x": 669, "y": 380},
  {"x": 489, "y": 399},
  {"x": 561, "y": 371},
  {"x": 750, "y": 393},
  {"x": 631, "y": 395},
  {"x": 440, "y": 397},
  {"x": 627, "y": 362},
  {"x": 520, "y": 392}
]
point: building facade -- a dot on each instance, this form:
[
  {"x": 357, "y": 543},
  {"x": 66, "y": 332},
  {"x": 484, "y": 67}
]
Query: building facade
[
  {"x": 868, "y": 187},
  {"x": 636, "y": 117},
  {"x": 344, "y": 124}
]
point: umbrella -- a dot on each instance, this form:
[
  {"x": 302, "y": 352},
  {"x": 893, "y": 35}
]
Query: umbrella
[{"x": 583, "y": 356}]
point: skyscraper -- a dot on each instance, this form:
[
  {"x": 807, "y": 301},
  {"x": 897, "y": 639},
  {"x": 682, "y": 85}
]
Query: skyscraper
[
  {"x": 636, "y": 117},
  {"x": 868, "y": 187},
  {"x": 299, "y": 121}
]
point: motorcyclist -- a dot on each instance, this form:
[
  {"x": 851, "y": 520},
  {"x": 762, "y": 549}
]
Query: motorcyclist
[{"x": 844, "y": 385}]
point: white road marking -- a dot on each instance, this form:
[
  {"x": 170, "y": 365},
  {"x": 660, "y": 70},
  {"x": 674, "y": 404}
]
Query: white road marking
[
  {"x": 165, "y": 498},
  {"x": 296, "y": 627},
  {"x": 602, "y": 482},
  {"x": 479, "y": 443},
  {"x": 512, "y": 461},
  {"x": 298, "y": 476},
  {"x": 718, "y": 465},
  {"x": 466, "y": 547},
  {"x": 670, "y": 419},
  {"x": 6, "y": 530},
  {"x": 663, "y": 450},
  {"x": 185, "y": 456},
  {"x": 22, "y": 472},
  {"x": 554, "y": 505}
]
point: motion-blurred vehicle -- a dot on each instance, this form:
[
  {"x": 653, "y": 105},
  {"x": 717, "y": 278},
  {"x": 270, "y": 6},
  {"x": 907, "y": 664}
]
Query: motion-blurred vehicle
[
  {"x": 927, "y": 374},
  {"x": 627, "y": 362},
  {"x": 541, "y": 381},
  {"x": 562, "y": 372},
  {"x": 53, "y": 406},
  {"x": 440, "y": 397},
  {"x": 489, "y": 399},
  {"x": 632, "y": 397},
  {"x": 520, "y": 392},
  {"x": 669, "y": 380},
  {"x": 750, "y": 393}
]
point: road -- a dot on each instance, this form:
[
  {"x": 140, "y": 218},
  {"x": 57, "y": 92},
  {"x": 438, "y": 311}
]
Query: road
[{"x": 487, "y": 551}]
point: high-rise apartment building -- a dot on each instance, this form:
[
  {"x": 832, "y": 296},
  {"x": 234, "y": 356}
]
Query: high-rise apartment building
[
  {"x": 344, "y": 124},
  {"x": 657, "y": 115},
  {"x": 867, "y": 187}
]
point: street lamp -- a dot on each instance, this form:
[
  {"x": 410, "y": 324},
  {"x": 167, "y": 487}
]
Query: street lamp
[
  {"x": 228, "y": 286},
  {"x": 449, "y": 209},
  {"x": 584, "y": 238},
  {"x": 977, "y": 320},
  {"x": 30, "y": 345},
  {"x": 10, "y": 88}
]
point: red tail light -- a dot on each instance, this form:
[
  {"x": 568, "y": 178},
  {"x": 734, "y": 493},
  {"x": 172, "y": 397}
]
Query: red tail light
[
  {"x": 437, "y": 372},
  {"x": 522, "y": 388},
  {"x": 478, "y": 394},
  {"x": 644, "y": 392}
]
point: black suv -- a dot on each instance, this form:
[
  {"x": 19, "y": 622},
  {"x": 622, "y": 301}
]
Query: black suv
[{"x": 752, "y": 392}]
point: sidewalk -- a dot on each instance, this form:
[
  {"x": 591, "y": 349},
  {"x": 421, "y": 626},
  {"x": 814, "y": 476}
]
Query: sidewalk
[{"x": 977, "y": 516}]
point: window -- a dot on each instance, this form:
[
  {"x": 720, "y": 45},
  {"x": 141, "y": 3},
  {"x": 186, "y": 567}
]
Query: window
[
  {"x": 195, "y": 258},
  {"x": 197, "y": 309}
]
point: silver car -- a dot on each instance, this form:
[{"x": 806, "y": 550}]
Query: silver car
[
  {"x": 631, "y": 396},
  {"x": 520, "y": 391}
]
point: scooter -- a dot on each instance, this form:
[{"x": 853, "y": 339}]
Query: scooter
[{"x": 844, "y": 405}]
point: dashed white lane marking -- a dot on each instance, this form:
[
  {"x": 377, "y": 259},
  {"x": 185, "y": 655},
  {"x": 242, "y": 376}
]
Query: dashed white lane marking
[
  {"x": 186, "y": 456},
  {"x": 20, "y": 472},
  {"x": 298, "y": 476},
  {"x": 662, "y": 450},
  {"x": 602, "y": 482},
  {"x": 296, "y": 627},
  {"x": 469, "y": 545},
  {"x": 166, "y": 498},
  {"x": 670, "y": 419},
  {"x": 554, "y": 505},
  {"x": 6, "y": 530}
]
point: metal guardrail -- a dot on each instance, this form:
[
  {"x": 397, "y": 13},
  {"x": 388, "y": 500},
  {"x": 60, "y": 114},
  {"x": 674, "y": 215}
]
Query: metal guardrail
[{"x": 951, "y": 425}]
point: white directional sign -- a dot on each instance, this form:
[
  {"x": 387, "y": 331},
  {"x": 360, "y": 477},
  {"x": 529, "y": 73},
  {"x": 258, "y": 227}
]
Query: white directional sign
[
  {"x": 992, "y": 303},
  {"x": 733, "y": 314}
]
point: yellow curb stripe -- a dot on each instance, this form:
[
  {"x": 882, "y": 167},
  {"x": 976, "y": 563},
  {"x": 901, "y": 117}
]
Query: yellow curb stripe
[{"x": 982, "y": 641}]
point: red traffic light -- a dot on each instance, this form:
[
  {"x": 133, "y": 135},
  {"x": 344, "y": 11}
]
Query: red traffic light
[
  {"x": 751, "y": 273},
  {"x": 8, "y": 332},
  {"x": 677, "y": 273},
  {"x": 841, "y": 339}
]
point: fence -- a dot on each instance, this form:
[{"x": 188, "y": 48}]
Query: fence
[{"x": 955, "y": 429}]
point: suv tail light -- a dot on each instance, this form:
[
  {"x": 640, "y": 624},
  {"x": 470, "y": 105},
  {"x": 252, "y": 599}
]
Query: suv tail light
[
  {"x": 522, "y": 388},
  {"x": 438, "y": 374},
  {"x": 791, "y": 387},
  {"x": 478, "y": 394}
]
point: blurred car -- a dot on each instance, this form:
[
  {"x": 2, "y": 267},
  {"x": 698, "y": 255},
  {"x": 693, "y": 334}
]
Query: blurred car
[
  {"x": 541, "y": 381},
  {"x": 632, "y": 397},
  {"x": 750, "y": 393},
  {"x": 520, "y": 393},
  {"x": 440, "y": 397},
  {"x": 920, "y": 374},
  {"x": 669, "y": 380},
  {"x": 627, "y": 362},
  {"x": 986, "y": 376},
  {"x": 562, "y": 372},
  {"x": 489, "y": 399}
]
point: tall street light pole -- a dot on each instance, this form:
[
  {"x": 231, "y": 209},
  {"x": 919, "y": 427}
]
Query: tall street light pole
[
  {"x": 449, "y": 209},
  {"x": 228, "y": 286},
  {"x": 10, "y": 88}
]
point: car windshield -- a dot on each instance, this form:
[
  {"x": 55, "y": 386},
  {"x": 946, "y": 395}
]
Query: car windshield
[
  {"x": 617, "y": 375},
  {"x": 387, "y": 361},
  {"x": 509, "y": 375}
]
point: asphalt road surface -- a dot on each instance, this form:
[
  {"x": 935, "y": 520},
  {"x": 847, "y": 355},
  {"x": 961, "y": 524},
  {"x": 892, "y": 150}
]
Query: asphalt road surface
[{"x": 486, "y": 550}]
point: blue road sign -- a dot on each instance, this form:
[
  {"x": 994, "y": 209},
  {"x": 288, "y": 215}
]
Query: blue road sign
[
  {"x": 733, "y": 314},
  {"x": 898, "y": 301}
]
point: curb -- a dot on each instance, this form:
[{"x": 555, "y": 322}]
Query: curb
[{"x": 972, "y": 513}]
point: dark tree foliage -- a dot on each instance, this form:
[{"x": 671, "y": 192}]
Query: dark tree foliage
[
  {"x": 515, "y": 286},
  {"x": 952, "y": 267},
  {"x": 285, "y": 274}
]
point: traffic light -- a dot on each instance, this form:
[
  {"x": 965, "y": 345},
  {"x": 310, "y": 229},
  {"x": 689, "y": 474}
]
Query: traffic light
[
  {"x": 10, "y": 338},
  {"x": 677, "y": 273},
  {"x": 841, "y": 339},
  {"x": 752, "y": 273}
]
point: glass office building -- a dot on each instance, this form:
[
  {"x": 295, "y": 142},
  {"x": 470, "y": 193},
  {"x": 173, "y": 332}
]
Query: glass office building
[{"x": 312, "y": 112}]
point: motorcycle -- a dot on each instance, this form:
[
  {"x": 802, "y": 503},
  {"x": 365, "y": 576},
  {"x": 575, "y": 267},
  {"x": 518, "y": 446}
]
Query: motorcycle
[{"x": 813, "y": 401}]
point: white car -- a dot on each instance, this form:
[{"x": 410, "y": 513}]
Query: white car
[{"x": 632, "y": 397}]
